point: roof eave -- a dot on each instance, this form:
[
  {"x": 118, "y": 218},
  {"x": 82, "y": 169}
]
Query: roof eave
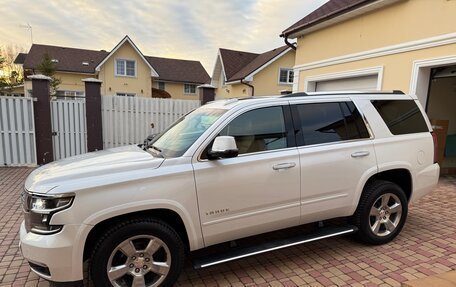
[
  {"x": 260, "y": 68},
  {"x": 335, "y": 18}
]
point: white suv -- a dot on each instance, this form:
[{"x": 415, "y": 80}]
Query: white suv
[{"x": 228, "y": 170}]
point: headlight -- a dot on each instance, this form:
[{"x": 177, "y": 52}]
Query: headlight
[{"x": 38, "y": 210}]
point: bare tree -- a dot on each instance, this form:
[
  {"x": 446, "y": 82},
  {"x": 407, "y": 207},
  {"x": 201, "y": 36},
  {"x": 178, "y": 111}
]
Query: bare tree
[
  {"x": 2, "y": 78},
  {"x": 12, "y": 74}
]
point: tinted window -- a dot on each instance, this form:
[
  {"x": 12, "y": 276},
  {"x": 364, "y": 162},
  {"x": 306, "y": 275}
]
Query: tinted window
[
  {"x": 356, "y": 128},
  {"x": 401, "y": 116},
  {"x": 330, "y": 122},
  {"x": 258, "y": 130}
]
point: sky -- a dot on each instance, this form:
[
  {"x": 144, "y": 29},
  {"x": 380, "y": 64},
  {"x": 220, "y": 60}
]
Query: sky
[{"x": 182, "y": 29}]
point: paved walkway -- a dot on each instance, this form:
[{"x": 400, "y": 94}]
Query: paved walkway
[{"x": 426, "y": 246}]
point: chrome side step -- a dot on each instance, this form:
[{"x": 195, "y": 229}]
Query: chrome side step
[{"x": 235, "y": 254}]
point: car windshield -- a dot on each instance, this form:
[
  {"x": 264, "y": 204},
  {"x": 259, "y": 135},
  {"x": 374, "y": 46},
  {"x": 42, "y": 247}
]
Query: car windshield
[{"x": 175, "y": 140}]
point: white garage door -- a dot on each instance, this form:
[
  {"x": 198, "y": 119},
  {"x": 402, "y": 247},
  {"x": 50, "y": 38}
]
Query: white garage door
[{"x": 363, "y": 83}]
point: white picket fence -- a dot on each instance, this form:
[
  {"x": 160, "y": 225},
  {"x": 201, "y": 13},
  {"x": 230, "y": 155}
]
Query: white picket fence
[
  {"x": 68, "y": 127},
  {"x": 17, "y": 131},
  {"x": 128, "y": 120}
]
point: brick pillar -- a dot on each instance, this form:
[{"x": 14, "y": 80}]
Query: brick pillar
[
  {"x": 206, "y": 93},
  {"x": 93, "y": 114},
  {"x": 42, "y": 117}
]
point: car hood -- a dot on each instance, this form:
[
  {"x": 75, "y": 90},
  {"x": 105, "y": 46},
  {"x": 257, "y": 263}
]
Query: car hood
[{"x": 90, "y": 165}]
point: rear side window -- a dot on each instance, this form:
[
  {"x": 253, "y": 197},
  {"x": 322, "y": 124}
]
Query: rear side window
[
  {"x": 329, "y": 122},
  {"x": 401, "y": 116}
]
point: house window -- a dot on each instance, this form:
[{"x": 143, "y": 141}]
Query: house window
[
  {"x": 69, "y": 94},
  {"x": 125, "y": 94},
  {"x": 161, "y": 86},
  {"x": 286, "y": 76},
  {"x": 189, "y": 89},
  {"x": 125, "y": 68}
]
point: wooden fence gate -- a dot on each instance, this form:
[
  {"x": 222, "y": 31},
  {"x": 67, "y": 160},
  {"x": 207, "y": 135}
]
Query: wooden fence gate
[{"x": 69, "y": 132}]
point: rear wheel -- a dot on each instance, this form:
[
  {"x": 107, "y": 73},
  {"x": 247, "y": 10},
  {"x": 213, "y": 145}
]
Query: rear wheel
[
  {"x": 381, "y": 212},
  {"x": 140, "y": 252}
]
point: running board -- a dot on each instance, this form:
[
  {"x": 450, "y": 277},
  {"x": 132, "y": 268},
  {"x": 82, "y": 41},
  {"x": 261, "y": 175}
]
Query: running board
[{"x": 321, "y": 233}]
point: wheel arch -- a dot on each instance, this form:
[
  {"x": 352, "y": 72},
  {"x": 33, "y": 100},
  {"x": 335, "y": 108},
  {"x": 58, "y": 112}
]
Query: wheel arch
[
  {"x": 400, "y": 176},
  {"x": 167, "y": 215}
]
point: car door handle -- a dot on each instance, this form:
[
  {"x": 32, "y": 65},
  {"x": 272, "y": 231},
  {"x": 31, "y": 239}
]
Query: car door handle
[
  {"x": 286, "y": 165},
  {"x": 360, "y": 154}
]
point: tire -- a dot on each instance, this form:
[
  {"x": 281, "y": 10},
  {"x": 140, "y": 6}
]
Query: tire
[
  {"x": 377, "y": 222},
  {"x": 146, "y": 252}
]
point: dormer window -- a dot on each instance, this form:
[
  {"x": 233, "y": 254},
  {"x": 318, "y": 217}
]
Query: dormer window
[
  {"x": 54, "y": 61},
  {"x": 125, "y": 68},
  {"x": 85, "y": 63}
]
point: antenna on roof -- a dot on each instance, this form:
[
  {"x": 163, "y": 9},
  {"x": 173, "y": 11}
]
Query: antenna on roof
[{"x": 28, "y": 27}]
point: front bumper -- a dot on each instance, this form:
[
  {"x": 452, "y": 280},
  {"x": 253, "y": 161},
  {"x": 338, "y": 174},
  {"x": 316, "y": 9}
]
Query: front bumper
[{"x": 55, "y": 252}]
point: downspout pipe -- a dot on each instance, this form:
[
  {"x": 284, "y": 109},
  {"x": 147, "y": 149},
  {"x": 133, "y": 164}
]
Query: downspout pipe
[
  {"x": 291, "y": 45},
  {"x": 251, "y": 86}
]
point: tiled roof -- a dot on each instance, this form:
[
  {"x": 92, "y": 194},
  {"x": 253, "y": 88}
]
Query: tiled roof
[
  {"x": 239, "y": 64},
  {"x": 175, "y": 70},
  {"x": 233, "y": 61},
  {"x": 20, "y": 58},
  {"x": 327, "y": 11},
  {"x": 71, "y": 60}
]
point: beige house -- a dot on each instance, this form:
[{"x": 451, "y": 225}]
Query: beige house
[
  {"x": 243, "y": 74},
  {"x": 16, "y": 91},
  {"x": 125, "y": 71},
  {"x": 407, "y": 45}
]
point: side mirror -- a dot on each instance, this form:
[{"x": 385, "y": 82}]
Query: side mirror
[{"x": 223, "y": 147}]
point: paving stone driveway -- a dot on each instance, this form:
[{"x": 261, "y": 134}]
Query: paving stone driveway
[{"x": 426, "y": 246}]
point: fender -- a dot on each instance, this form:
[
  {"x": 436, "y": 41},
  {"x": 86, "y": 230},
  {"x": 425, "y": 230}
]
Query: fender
[{"x": 194, "y": 237}]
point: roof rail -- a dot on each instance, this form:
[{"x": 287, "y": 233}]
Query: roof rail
[
  {"x": 303, "y": 94},
  {"x": 299, "y": 94}
]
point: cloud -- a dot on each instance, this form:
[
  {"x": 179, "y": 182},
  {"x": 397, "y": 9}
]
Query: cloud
[{"x": 192, "y": 29}]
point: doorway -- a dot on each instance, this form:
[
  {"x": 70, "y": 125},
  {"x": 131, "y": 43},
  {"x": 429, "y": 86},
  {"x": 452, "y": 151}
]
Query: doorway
[{"x": 441, "y": 109}]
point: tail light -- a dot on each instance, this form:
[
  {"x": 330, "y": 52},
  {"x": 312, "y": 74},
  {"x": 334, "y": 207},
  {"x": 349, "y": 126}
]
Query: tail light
[{"x": 436, "y": 147}]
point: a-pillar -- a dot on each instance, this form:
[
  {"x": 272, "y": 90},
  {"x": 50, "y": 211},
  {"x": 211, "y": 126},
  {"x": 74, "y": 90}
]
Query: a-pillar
[
  {"x": 42, "y": 117},
  {"x": 206, "y": 93},
  {"x": 93, "y": 114}
]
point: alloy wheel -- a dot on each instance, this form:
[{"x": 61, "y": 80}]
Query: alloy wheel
[
  {"x": 385, "y": 214},
  {"x": 139, "y": 261}
]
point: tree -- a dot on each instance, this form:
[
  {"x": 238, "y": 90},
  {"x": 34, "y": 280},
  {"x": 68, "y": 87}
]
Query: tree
[
  {"x": 11, "y": 74},
  {"x": 2, "y": 78},
  {"x": 47, "y": 68}
]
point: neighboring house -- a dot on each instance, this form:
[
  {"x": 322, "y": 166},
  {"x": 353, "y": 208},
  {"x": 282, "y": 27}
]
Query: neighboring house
[
  {"x": 383, "y": 45},
  {"x": 125, "y": 71},
  {"x": 243, "y": 74},
  {"x": 16, "y": 91}
]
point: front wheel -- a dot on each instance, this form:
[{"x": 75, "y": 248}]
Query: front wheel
[
  {"x": 139, "y": 252},
  {"x": 381, "y": 212}
]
